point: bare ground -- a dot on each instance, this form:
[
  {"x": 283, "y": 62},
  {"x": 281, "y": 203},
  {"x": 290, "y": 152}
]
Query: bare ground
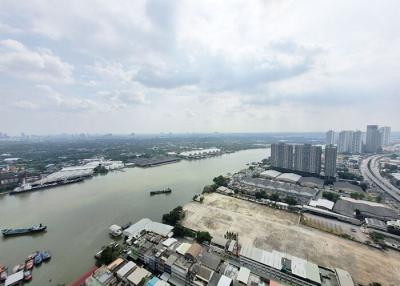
[{"x": 268, "y": 229}]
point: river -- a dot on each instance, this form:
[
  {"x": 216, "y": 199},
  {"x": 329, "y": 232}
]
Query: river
[{"x": 78, "y": 215}]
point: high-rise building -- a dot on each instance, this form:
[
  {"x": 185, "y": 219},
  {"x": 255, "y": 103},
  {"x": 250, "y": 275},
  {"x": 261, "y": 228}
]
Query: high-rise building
[
  {"x": 315, "y": 159},
  {"x": 373, "y": 140},
  {"x": 307, "y": 158},
  {"x": 345, "y": 140},
  {"x": 330, "y": 160},
  {"x": 330, "y": 137},
  {"x": 356, "y": 142},
  {"x": 385, "y": 135},
  {"x": 282, "y": 155}
]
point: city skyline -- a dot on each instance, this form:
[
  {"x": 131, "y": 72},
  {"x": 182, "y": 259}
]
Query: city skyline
[{"x": 180, "y": 67}]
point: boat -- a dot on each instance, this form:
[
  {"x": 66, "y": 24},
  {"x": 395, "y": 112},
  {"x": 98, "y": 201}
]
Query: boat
[
  {"x": 3, "y": 275},
  {"x": 165, "y": 191},
  {"x": 3, "y": 268},
  {"x": 38, "y": 260},
  {"x": 29, "y": 264},
  {"x": 125, "y": 226},
  {"x": 46, "y": 256},
  {"x": 18, "y": 268},
  {"x": 27, "y": 275},
  {"x": 32, "y": 256},
  {"x": 21, "y": 231},
  {"x": 115, "y": 230}
]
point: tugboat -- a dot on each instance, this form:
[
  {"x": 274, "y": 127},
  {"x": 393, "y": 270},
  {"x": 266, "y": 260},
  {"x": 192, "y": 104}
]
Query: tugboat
[
  {"x": 3, "y": 273},
  {"x": 46, "y": 256},
  {"x": 21, "y": 231},
  {"x": 38, "y": 260},
  {"x": 18, "y": 268},
  {"x": 165, "y": 191},
  {"x": 29, "y": 264},
  {"x": 27, "y": 275}
]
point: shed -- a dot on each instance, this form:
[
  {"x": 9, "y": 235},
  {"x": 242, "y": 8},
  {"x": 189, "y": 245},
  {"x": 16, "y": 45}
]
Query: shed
[
  {"x": 270, "y": 174},
  {"x": 224, "y": 281},
  {"x": 14, "y": 279},
  {"x": 289, "y": 178},
  {"x": 193, "y": 252},
  {"x": 136, "y": 276},
  {"x": 243, "y": 275},
  {"x": 183, "y": 248},
  {"x": 116, "y": 263},
  {"x": 126, "y": 269},
  {"x": 322, "y": 203},
  {"x": 344, "y": 277},
  {"x": 169, "y": 241},
  {"x": 219, "y": 242}
]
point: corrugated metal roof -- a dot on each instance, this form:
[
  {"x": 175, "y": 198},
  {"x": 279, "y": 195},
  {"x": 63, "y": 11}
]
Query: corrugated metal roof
[
  {"x": 344, "y": 277},
  {"x": 148, "y": 225},
  {"x": 224, "y": 281},
  {"x": 299, "y": 267},
  {"x": 126, "y": 268},
  {"x": 312, "y": 271},
  {"x": 136, "y": 276},
  {"x": 183, "y": 248},
  {"x": 243, "y": 275}
]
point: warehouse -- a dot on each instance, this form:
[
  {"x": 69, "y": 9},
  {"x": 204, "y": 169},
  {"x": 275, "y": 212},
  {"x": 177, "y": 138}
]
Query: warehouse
[
  {"x": 311, "y": 182},
  {"x": 146, "y": 224},
  {"x": 289, "y": 178},
  {"x": 270, "y": 174},
  {"x": 348, "y": 206}
]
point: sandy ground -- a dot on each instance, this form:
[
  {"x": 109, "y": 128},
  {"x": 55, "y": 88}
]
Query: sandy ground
[{"x": 268, "y": 229}]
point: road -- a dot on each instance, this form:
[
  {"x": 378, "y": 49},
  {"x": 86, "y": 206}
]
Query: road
[{"x": 369, "y": 169}]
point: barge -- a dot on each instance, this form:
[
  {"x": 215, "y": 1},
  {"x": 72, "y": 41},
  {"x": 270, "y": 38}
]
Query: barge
[
  {"x": 165, "y": 191},
  {"x": 23, "y": 231}
]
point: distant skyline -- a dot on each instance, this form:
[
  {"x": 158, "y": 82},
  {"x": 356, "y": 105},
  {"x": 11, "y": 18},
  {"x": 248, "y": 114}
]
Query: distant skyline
[{"x": 198, "y": 66}]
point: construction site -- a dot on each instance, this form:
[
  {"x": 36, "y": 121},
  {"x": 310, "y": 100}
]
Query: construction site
[{"x": 272, "y": 229}]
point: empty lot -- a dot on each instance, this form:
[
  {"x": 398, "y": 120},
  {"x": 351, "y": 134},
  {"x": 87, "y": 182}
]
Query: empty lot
[{"x": 269, "y": 229}]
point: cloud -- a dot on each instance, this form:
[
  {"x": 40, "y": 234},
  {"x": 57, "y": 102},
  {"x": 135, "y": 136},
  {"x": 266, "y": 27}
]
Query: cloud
[
  {"x": 39, "y": 64},
  {"x": 25, "y": 105}
]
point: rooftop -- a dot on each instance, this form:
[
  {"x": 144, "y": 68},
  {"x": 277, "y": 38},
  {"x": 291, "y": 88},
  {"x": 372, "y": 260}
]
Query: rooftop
[
  {"x": 148, "y": 225},
  {"x": 271, "y": 174},
  {"x": 289, "y": 177}
]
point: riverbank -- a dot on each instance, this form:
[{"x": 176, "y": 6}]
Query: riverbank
[{"x": 79, "y": 215}]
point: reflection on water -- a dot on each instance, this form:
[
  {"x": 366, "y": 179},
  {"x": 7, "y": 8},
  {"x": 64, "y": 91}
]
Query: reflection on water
[{"x": 78, "y": 215}]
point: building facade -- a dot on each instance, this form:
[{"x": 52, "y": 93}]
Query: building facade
[
  {"x": 373, "y": 140},
  {"x": 330, "y": 137},
  {"x": 282, "y": 155},
  {"x": 385, "y": 135},
  {"x": 307, "y": 158},
  {"x": 330, "y": 160}
]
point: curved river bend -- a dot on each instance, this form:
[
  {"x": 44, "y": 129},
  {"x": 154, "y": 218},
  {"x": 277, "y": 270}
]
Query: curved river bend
[{"x": 78, "y": 215}]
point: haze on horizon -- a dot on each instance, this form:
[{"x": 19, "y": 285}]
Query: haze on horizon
[{"x": 198, "y": 66}]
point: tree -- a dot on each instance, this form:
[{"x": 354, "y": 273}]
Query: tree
[
  {"x": 221, "y": 181},
  {"x": 357, "y": 196},
  {"x": 201, "y": 200},
  {"x": 174, "y": 216},
  {"x": 202, "y": 236},
  {"x": 100, "y": 169},
  {"x": 274, "y": 197},
  {"x": 291, "y": 200},
  {"x": 330, "y": 196},
  {"x": 379, "y": 199}
]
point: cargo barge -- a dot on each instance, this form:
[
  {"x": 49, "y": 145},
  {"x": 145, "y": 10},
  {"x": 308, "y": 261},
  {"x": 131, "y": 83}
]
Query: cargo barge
[
  {"x": 23, "y": 231},
  {"x": 165, "y": 191}
]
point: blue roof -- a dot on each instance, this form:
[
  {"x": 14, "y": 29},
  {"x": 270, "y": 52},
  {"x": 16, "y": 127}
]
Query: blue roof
[{"x": 152, "y": 281}]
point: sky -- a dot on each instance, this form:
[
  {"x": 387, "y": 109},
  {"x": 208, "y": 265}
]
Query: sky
[{"x": 198, "y": 66}]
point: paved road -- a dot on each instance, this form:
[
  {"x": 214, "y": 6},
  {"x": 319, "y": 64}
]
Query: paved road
[{"x": 372, "y": 172}]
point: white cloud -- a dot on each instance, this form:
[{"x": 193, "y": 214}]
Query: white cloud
[
  {"x": 19, "y": 61},
  {"x": 25, "y": 105}
]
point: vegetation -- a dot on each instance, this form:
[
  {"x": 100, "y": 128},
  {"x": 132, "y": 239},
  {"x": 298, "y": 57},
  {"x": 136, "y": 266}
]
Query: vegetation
[
  {"x": 174, "y": 216},
  {"x": 377, "y": 237},
  {"x": 290, "y": 200},
  {"x": 349, "y": 176},
  {"x": 202, "y": 236},
  {"x": 357, "y": 196},
  {"x": 379, "y": 199},
  {"x": 181, "y": 231},
  {"x": 210, "y": 188},
  {"x": 109, "y": 254},
  {"x": 100, "y": 169},
  {"x": 330, "y": 196},
  {"x": 231, "y": 235},
  {"x": 221, "y": 181},
  {"x": 375, "y": 284}
]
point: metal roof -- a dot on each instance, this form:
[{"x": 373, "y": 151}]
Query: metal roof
[
  {"x": 126, "y": 268},
  {"x": 13, "y": 278},
  {"x": 243, "y": 275},
  {"x": 136, "y": 276},
  {"x": 169, "y": 241},
  {"x": 270, "y": 174},
  {"x": 344, "y": 277},
  {"x": 289, "y": 177},
  {"x": 324, "y": 203},
  {"x": 224, "y": 281},
  {"x": 183, "y": 248},
  {"x": 148, "y": 225}
]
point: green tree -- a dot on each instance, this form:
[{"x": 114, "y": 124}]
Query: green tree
[
  {"x": 357, "y": 196},
  {"x": 291, "y": 200},
  {"x": 221, "y": 181},
  {"x": 202, "y": 236},
  {"x": 330, "y": 196},
  {"x": 201, "y": 200},
  {"x": 174, "y": 216},
  {"x": 274, "y": 197}
]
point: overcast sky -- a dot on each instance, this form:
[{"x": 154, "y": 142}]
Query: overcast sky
[{"x": 198, "y": 66}]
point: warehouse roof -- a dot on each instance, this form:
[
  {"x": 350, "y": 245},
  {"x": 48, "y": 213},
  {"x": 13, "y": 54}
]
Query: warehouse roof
[
  {"x": 136, "y": 276},
  {"x": 346, "y": 186},
  {"x": 148, "y": 225},
  {"x": 289, "y": 177},
  {"x": 210, "y": 260},
  {"x": 183, "y": 248},
  {"x": 126, "y": 268},
  {"x": 169, "y": 241},
  {"x": 224, "y": 281},
  {"x": 322, "y": 203},
  {"x": 270, "y": 174},
  {"x": 311, "y": 182},
  {"x": 347, "y": 206}
]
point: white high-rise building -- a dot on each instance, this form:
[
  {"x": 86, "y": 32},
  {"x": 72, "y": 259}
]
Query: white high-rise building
[
  {"x": 373, "y": 140},
  {"x": 385, "y": 135},
  {"x": 356, "y": 142},
  {"x": 330, "y": 137},
  {"x": 345, "y": 140}
]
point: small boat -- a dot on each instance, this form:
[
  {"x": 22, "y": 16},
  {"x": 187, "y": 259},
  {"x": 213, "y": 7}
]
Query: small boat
[
  {"x": 18, "y": 268},
  {"x": 46, "y": 256},
  {"x": 125, "y": 226},
  {"x": 29, "y": 264},
  {"x": 38, "y": 260},
  {"x": 3, "y": 275},
  {"x": 32, "y": 256},
  {"x": 3, "y": 268},
  {"x": 27, "y": 275},
  {"x": 21, "y": 231},
  {"x": 165, "y": 191},
  {"x": 115, "y": 230}
]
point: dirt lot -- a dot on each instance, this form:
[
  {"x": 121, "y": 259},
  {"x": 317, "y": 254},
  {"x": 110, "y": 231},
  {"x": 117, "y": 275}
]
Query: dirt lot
[{"x": 269, "y": 229}]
